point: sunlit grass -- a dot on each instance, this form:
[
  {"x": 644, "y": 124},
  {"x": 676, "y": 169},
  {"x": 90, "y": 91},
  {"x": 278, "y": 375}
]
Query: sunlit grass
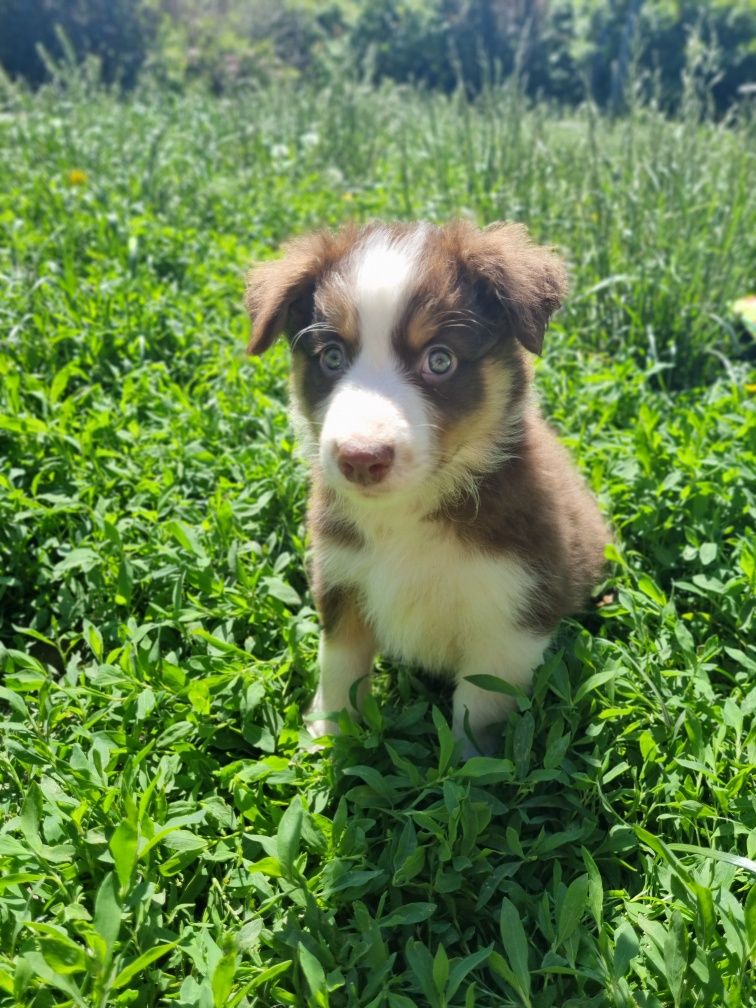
[{"x": 164, "y": 838}]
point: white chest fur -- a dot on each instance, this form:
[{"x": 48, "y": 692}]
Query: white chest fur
[{"x": 431, "y": 599}]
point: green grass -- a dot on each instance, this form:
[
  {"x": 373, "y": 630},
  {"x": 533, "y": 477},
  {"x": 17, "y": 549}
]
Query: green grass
[{"x": 164, "y": 837}]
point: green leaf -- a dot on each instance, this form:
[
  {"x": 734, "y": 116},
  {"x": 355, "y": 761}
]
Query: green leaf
[
  {"x": 626, "y": 948},
  {"x": 223, "y": 978},
  {"x": 486, "y": 770},
  {"x": 288, "y": 835},
  {"x": 19, "y": 878},
  {"x": 595, "y": 887},
  {"x": 125, "y": 584},
  {"x": 10, "y": 847},
  {"x": 313, "y": 974},
  {"x": 269, "y": 866},
  {"x": 651, "y": 590},
  {"x": 593, "y": 682},
  {"x": 47, "y": 973},
  {"x": 463, "y": 967},
  {"x": 61, "y": 954},
  {"x": 140, "y": 964},
  {"x": 515, "y": 946},
  {"x": 572, "y": 909},
  {"x": 522, "y": 742},
  {"x": 663, "y": 851},
  {"x": 750, "y": 923},
  {"x": 81, "y": 559},
  {"x": 445, "y": 740},
  {"x": 738, "y": 860},
  {"x": 676, "y": 957},
  {"x": 399, "y": 1001},
  {"x": 410, "y": 868},
  {"x": 421, "y": 963},
  {"x": 410, "y": 913},
  {"x": 707, "y": 553},
  {"x": 145, "y": 703},
  {"x": 440, "y": 969},
  {"x": 93, "y": 638},
  {"x": 123, "y": 847},
  {"x": 107, "y": 915},
  {"x": 706, "y": 911},
  {"x": 15, "y": 701},
  {"x": 188, "y": 840},
  {"x": 188, "y": 538},
  {"x": 493, "y": 684},
  {"x": 498, "y": 964},
  {"x": 270, "y": 973},
  {"x": 31, "y": 813},
  {"x": 279, "y": 589}
]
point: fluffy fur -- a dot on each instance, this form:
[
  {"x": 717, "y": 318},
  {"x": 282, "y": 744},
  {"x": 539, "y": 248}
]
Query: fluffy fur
[{"x": 449, "y": 527}]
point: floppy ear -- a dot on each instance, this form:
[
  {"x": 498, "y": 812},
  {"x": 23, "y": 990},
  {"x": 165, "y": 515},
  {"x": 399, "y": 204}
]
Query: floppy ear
[
  {"x": 522, "y": 283},
  {"x": 279, "y": 293}
]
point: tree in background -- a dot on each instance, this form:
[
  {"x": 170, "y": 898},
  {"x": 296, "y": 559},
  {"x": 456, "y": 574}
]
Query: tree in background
[
  {"x": 561, "y": 50},
  {"x": 226, "y": 42},
  {"x": 116, "y": 32}
]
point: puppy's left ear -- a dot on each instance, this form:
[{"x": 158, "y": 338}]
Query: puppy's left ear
[
  {"x": 279, "y": 294},
  {"x": 522, "y": 282}
]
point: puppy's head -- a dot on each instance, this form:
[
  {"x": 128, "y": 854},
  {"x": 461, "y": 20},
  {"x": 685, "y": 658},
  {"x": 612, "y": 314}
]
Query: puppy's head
[{"x": 408, "y": 346}]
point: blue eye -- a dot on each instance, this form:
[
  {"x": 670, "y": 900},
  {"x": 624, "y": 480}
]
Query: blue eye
[
  {"x": 438, "y": 363},
  {"x": 332, "y": 358}
]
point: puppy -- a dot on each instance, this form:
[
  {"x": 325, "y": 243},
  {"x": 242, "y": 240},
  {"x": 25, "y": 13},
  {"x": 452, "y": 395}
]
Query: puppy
[{"x": 449, "y": 528}]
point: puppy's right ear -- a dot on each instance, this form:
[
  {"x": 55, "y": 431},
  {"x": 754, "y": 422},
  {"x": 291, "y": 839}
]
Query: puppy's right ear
[{"x": 279, "y": 294}]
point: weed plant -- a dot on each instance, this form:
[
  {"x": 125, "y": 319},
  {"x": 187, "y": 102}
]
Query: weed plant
[{"x": 165, "y": 838}]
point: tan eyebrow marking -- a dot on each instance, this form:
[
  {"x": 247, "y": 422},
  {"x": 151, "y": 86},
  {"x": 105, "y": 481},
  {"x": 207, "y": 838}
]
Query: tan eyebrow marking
[
  {"x": 333, "y": 302},
  {"x": 420, "y": 328},
  {"x": 470, "y": 439}
]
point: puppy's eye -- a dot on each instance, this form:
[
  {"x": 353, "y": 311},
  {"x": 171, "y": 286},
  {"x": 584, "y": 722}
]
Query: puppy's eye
[
  {"x": 332, "y": 358},
  {"x": 438, "y": 363}
]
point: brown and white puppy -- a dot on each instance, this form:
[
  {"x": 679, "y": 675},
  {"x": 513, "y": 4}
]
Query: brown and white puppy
[{"x": 449, "y": 527}]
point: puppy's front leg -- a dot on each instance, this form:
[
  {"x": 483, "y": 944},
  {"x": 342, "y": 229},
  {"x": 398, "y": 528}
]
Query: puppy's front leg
[
  {"x": 346, "y": 653},
  {"x": 485, "y": 710}
]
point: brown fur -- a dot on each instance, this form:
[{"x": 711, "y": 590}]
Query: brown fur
[
  {"x": 521, "y": 283},
  {"x": 537, "y": 506},
  {"x": 325, "y": 523},
  {"x": 280, "y": 293},
  {"x": 337, "y": 310},
  {"x": 340, "y": 614},
  {"x": 501, "y": 271},
  {"x": 472, "y": 439},
  {"x": 486, "y": 294}
]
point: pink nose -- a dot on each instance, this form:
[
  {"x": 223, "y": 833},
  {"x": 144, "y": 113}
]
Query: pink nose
[{"x": 365, "y": 465}]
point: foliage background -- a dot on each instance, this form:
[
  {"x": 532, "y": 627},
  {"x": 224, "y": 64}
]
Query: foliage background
[
  {"x": 165, "y": 836},
  {"x": 562, "y": 50}
]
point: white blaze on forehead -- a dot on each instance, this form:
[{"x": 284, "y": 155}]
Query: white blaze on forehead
[
  {"x": 375, "y": 403},
  {"x": 384, "y": 268}
]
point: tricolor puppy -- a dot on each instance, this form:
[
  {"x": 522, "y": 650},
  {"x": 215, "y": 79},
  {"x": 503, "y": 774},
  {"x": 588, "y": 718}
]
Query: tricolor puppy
[{"x": 449, "y": 527}]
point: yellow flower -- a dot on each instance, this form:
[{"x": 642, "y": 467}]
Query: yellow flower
[
  {"x": 77, "y": 176},
  {"x": 347, "y": 197}
]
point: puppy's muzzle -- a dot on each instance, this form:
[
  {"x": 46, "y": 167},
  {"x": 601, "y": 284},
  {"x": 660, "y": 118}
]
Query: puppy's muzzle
[{"x": 365, "y": 465}]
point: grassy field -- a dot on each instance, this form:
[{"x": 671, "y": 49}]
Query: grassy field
[{"x": 164, "y": 837}]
